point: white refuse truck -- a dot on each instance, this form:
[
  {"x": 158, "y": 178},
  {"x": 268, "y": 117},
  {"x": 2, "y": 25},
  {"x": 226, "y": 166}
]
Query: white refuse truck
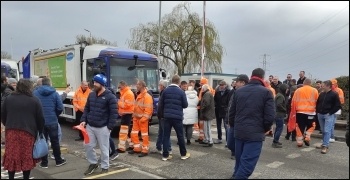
[{"x": 70, "y": 65}]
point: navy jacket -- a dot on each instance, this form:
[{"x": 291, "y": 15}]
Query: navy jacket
[
  {"x": 172, "y": 102},
  {"x": 51, "y": 103},
  {"x": 101, "y": 110},
  {"x": 253, "y": 109}
]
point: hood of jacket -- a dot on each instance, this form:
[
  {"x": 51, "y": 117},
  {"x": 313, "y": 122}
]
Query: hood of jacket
[
  {"x": 45, "y": 90},
  {"x": 282, "y": 89},
  {"x": 191, "y": 94}
]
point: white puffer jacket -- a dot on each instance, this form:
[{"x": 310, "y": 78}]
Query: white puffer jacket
[{"x": 191, "y": 112}]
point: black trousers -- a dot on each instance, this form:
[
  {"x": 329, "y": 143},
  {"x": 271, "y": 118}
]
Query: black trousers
[
  {"x": 78, "y": 115},
  {"x": 305, "y": 122},
  {"x": 126, "y": 120}
]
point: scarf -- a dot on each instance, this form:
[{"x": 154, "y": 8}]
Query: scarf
[{"x": 260, "y": 80}]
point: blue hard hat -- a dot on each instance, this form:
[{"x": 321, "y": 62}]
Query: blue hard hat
[{"x": 101, "y": 79}]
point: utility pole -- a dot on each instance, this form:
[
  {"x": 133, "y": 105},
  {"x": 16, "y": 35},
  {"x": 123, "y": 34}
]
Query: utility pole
[
  {"x": 203, "y": 41},
  {"x": 235, "y": 70},
  {"x": 264, "y": 62},
  {"x": 159, "y": 21}
]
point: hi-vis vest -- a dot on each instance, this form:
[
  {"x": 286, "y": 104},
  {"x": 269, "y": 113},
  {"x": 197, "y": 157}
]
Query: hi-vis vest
[
  {"x": 80, "y": 98},
  {"x": 341, "y": 94},
  {"x": 126, "y": 101},
  {"x": 143, "y": 109},
  {"x": 305, "y": 99}
]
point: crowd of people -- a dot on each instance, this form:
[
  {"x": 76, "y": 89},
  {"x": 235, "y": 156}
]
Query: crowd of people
[{"x": 247, "y": 110}]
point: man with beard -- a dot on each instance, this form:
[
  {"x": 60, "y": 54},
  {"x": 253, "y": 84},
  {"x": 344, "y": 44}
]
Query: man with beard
[{"x": 100, "y": 115}]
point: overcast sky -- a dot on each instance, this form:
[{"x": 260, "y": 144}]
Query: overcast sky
[{"x": 311, "y": 36}]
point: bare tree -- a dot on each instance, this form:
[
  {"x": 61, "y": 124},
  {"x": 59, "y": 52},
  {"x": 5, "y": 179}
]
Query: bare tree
[
  {"x": 181, "y": 41},
  {"x": 94, "y": 40},
  {"x": 5, "y": 55}
]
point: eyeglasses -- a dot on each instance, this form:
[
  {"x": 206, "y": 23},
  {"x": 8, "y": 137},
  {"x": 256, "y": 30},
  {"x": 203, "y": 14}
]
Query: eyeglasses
[{"x": 289, "y": 77}]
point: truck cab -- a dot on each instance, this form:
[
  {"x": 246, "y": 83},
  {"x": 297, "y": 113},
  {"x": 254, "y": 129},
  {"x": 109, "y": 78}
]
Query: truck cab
[{"x": 9, "y": 68}]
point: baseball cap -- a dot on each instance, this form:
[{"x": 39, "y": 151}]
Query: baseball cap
[{"x": 242, "y": 77}]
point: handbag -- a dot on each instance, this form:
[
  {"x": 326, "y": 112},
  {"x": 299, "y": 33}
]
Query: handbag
[{"x": 40, "y": 148}]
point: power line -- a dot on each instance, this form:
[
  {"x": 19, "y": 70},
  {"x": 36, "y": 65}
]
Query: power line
[
  {"x": 310, "y": 44},
  {"x": 323, "y": 50},
  {"x": 310, "y": 60},
  {"x": 313, "y": 29}
]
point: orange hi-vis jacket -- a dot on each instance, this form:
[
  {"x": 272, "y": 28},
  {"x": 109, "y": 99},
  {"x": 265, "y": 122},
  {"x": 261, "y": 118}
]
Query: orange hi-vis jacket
[
  {"x": 80, "y": 98},
  {"x": 126, "y": 102},
  {"x": 272, "y": 91},
  {"x": 304, "y": 99},
  {"x": 143, "y": 109},
  {"x": 341, "y": 94}
]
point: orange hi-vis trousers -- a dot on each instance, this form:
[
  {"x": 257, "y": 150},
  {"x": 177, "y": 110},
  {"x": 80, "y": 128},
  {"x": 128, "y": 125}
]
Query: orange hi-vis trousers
[
  {"x": 124, "y": 132},
  {"x": 142, "y": 126},
  {"x": 300, "y": 135},
  {"x": 123, "y": 136}
]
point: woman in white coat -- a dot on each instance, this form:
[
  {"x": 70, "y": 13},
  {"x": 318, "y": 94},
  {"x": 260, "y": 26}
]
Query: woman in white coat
[{"x": 190, "y": 113}]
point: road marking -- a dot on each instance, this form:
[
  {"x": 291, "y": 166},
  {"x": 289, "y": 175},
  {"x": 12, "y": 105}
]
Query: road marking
[
  {"x": 308, "y": 149},
  {"x": 254, "y": 175},
  {"x": 275, "y": 164},
  {"x": 292, "y": 156},
  {"x": 106, "y": 174},
  {"x": 146, "y": 173}
]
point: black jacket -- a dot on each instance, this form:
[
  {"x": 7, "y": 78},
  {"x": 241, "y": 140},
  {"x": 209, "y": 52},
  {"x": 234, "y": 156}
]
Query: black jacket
[
  {"x": 328, "y": 102},
  {"x": 101, "y": 110},
  {"x": 253, "y": 111},
  {"x": 221, "y": 103}
]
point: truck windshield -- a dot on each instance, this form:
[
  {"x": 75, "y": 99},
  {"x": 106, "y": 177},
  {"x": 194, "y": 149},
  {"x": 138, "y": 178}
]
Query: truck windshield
[
  {"x": 148, "y": 72},
  {"x": 12, "y": 73}
]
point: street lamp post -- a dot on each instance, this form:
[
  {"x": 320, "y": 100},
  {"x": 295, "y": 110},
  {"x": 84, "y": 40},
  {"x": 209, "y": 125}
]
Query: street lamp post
[
  {"x": 160, "y": 14},
  {"x": 90, "y": 36}
]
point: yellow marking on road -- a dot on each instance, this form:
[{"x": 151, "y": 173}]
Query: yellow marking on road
[{"x": 106, "y": 174}]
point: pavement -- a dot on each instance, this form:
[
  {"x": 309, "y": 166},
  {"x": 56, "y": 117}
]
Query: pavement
[{"x": 289, "y": 162}]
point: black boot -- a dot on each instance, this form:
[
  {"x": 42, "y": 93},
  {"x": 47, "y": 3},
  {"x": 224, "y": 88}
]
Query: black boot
[{"x": 188, "y": 142}]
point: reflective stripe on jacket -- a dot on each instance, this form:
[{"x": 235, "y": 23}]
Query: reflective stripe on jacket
[
  {"x": 126, "y": 101},
  {"x": 143, "y": 108},
  {"x": 305, "y": 99}
]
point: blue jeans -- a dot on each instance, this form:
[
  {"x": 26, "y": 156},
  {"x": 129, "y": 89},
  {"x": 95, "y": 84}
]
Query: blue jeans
[
  {"x": 161, "y": 136},
  {"x": 231, "y": 140},
  {"x": 332, "y": 131},
  {"x": 326, "y": 124},
  {"x": 247, "y": 156},
  {"x": 178, "y": 126},
  {"x": 52, "y": 132},
  {"x": 278, "y": 130}
]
